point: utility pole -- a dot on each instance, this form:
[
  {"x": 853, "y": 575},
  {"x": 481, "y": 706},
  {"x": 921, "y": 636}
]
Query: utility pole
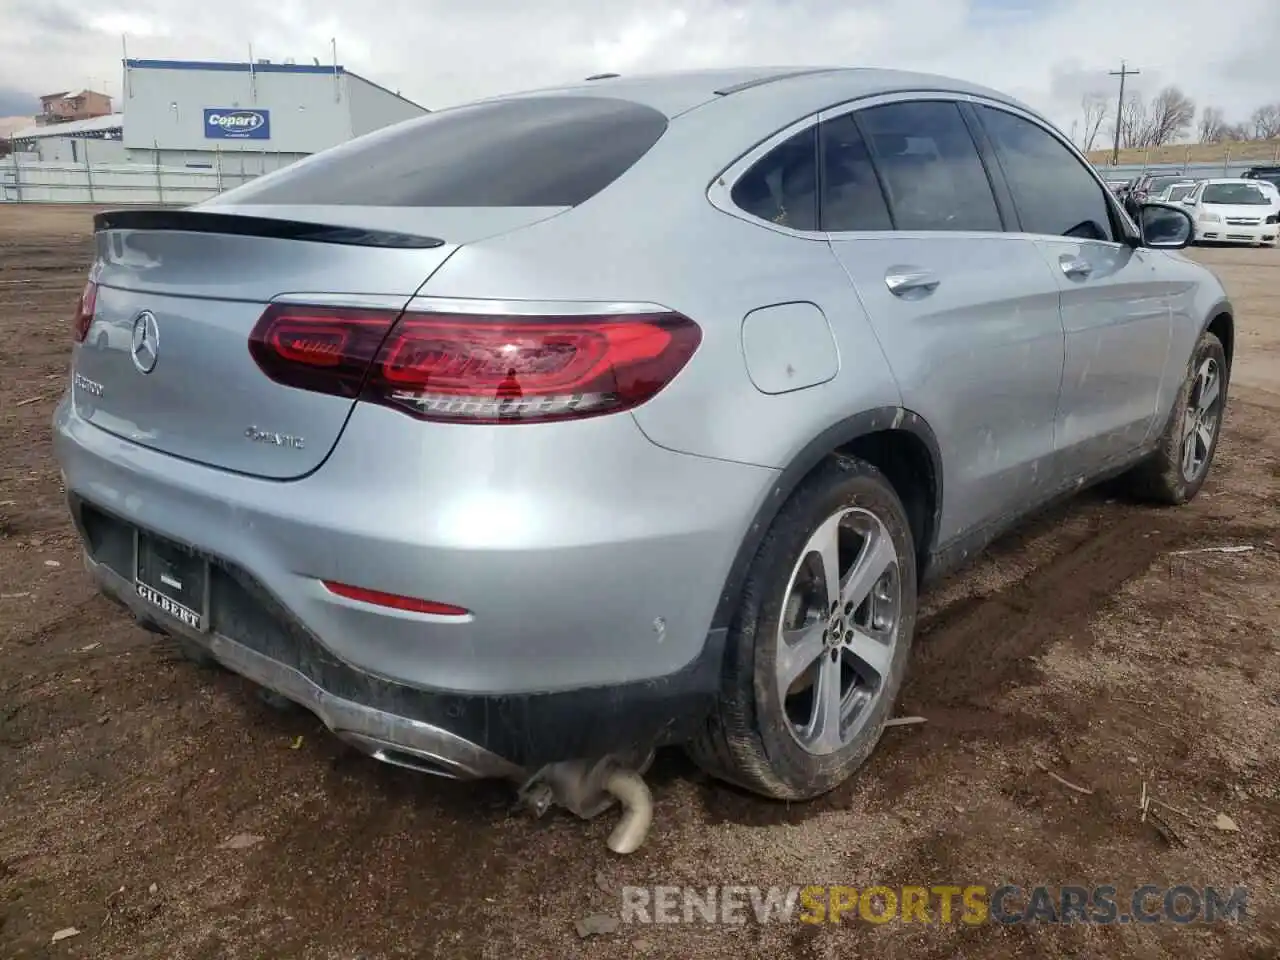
[{"x": 1122, "y": 73}]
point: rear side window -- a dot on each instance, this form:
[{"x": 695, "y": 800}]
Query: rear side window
[
  {"x": 782, "y": 186},
  {"x": 524, "y": 152},
  {"x": 1054, "y": 193},
  {"x": 930, "y": 167},
  {"x": 851, "y": 195}
]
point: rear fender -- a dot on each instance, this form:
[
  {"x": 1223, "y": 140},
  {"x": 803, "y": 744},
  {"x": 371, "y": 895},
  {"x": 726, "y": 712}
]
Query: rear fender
[{"x": 810, "y": 456}]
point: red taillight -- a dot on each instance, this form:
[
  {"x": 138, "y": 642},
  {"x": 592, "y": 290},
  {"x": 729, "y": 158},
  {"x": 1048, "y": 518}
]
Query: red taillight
[
  {"x": 324, "y": 349},
  {"x": 84, "y": 312},
  {"x": 476, "y": 368},
  {"x": 394, "y": 600}
]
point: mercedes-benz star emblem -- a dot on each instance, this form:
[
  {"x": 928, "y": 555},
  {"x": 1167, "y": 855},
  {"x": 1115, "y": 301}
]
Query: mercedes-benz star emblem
[{"x": 146, "y": 341}]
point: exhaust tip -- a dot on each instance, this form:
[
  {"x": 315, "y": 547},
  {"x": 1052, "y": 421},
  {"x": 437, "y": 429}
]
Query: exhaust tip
[{"x": 419, "y": 761}]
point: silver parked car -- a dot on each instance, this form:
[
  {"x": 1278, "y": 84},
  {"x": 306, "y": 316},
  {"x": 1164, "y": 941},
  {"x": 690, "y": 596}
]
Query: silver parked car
[{"x": 548, "y": 429}]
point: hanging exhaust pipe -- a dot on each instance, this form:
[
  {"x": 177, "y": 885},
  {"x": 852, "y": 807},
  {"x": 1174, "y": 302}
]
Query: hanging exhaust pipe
[
  {"x": 637, "y": 810},
  {"x": 589, "y": 788}
]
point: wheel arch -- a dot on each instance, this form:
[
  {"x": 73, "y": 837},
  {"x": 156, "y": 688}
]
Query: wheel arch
[
  {"x": 897, "y": 441},
  {"x": 1220, "y": 321}
]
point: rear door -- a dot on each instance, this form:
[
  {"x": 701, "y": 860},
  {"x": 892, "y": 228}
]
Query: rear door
[
  {"x": 967, "y": 314},
  {"x": 1115, "y": 310}
]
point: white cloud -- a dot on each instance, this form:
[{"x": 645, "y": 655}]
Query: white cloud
[
  {"x": 119, "y": 24},
  {"x": 442, "y": 52}
]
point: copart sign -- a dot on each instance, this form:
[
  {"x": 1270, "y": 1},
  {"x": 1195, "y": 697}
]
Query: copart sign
[{"x": 236, "y": 124}]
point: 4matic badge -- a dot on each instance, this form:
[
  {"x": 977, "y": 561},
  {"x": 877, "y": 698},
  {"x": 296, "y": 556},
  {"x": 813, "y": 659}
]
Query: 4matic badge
[
  {"x": 91, "y": 387},
  {"x": 275, "y": 439}
]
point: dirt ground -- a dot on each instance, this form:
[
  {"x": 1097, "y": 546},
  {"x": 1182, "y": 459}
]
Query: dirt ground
[{"x": 1088, "y": 645}]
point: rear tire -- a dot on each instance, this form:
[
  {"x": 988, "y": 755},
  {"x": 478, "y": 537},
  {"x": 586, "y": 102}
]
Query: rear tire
[
  {"x": 790, "y": 731},
  {"x": 1176, "y": 471}
]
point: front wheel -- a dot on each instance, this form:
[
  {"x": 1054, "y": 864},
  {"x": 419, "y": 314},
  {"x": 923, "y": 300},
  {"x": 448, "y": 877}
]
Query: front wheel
[
  {"x": 1176, "y": 471},
  {"x": 819, "y": 647}
]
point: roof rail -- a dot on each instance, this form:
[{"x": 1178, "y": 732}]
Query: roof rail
[
  {"x": 603, "y": 76},
  {"x": 771, "y": 78}
]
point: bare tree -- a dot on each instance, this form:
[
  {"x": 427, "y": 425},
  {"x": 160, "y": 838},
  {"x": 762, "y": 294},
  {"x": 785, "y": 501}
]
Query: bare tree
[
  {"x": 1134, "y": 123},
  {"x": 1235, "y": 132},
  {"x": 1169, "y": 117},
  {"x": 1266, "y": 121},
  {"x": 1213, "y": 124},
  {"x": 1094, "y": 106}
]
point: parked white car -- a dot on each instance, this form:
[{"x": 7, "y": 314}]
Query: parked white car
[
  {"x": 1234, "y": 211},
  {"x": 1176, "y": 192},
  {"x": 1271, "y": 190}
]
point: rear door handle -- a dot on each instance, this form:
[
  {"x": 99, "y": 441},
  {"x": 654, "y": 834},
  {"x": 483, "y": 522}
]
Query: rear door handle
[
  {"x": 907, "y": 280},
  {"x": 1075, "y": 267}
]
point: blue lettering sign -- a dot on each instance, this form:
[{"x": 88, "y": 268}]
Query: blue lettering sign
[{"x": 236, "y": 124}]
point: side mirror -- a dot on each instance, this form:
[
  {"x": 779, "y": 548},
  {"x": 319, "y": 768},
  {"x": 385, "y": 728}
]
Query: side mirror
[{"x": 1165, "y": 226}]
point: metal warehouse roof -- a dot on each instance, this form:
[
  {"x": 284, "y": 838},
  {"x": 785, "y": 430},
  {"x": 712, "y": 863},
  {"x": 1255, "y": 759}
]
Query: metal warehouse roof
[
  {"x": 236, "y": 66},
  {"x": 113, "y": 121},
  {"x": 262, "y": 66}
]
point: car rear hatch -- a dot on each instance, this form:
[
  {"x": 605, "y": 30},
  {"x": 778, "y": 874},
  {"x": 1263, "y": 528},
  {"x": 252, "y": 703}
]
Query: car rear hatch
[{"x": 166, "y": 361}]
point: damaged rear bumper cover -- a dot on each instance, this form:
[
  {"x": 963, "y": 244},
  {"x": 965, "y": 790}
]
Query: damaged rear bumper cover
[{"x": 441, "y": 732}]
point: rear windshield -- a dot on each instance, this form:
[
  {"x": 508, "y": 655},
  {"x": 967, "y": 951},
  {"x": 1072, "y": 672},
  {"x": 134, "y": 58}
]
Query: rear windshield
[
  {"x": 1234, "y": 193},
  {"x": 524, "y": 152}
]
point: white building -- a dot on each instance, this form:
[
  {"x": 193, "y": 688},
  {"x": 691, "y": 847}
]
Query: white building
[
  {"x": 96, "y": 140},
  {"x": 239, "y": 118}
]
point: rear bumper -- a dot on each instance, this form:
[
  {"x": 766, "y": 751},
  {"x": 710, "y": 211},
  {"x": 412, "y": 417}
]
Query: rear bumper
[
  {"x": 462, "y": 736},
  {"x": 592, "y": 572}
]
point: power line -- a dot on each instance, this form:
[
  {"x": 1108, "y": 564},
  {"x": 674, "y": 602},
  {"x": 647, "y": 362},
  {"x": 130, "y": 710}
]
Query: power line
[{"x": 1122, "y": 73}]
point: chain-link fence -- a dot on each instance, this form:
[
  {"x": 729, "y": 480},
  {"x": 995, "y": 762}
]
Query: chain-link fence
[{"x": 1245, "y": 156}]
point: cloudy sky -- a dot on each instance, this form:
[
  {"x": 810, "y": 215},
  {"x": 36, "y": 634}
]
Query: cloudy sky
[{"x": 442, "y": 52}]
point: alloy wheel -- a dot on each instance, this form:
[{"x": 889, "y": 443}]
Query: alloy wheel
[
  {"x": 839, "y": 630},
  {"x": 1202, "y": 419}
]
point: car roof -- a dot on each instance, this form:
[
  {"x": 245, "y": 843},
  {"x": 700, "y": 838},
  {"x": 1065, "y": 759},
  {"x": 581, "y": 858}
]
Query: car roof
[
  {"x": 671, "y": 92},
  {"x": 677, "y": 92}
]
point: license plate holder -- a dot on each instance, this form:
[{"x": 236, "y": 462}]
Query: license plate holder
[{"x": 172, "y": 579}]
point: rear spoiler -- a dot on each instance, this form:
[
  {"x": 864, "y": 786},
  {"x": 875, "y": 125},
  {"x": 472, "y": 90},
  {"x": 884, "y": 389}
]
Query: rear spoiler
[{"x": 235, "y": 224}]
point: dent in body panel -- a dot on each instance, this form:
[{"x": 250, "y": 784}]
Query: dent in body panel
[
  {"x": 788, "y": 346},
  {"x": 979, "y": 358}
]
